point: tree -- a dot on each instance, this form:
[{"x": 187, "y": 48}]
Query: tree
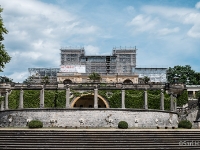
[
  {"x": 146, "y": 79},
  {"x": 197, "y": 76},
  {"x": 45, "y": 80},
  {"x": 5, "y": 79},
  {"x": 181, "y": 74},
  {"x": 4, "y": 57},
  {"x": 95, "y": 77}
]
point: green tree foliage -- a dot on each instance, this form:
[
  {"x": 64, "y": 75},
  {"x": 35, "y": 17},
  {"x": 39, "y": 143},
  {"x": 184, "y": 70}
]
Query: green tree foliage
[
  {"x": 45, "y": 80},
  {"x": 182, "y": 99},
  {"x": 5, "y": 79},
  {"x": 197, "y": 77},
  {"x": 94, "y": 77},
  {"x": 4, "y": 57},
  {"x": 146, "y": 79},
  {"x": 197, "y": 95},
  {"x": 182, "y": 74}
]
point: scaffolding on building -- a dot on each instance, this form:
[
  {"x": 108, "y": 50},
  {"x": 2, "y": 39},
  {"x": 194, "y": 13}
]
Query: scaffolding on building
[
  {"x": 157, "y": 75},
  {"x": 121, "y": 61}
]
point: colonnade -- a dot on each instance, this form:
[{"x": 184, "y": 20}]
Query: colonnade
[{"x": 4, "y": 105}]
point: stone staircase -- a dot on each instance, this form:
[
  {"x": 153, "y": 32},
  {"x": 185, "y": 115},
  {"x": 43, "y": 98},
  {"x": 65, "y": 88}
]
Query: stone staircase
[{"x": 99, "y": 139}]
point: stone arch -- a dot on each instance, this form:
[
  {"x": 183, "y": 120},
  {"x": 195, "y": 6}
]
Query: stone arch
[
  {"x": 67, "y": 81},
  {"x": 128, "y": 81},
  {"x": 102, "y": 101}
]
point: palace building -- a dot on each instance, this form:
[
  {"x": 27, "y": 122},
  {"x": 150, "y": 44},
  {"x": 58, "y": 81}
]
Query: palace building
[{"x": 76, "y": 66}]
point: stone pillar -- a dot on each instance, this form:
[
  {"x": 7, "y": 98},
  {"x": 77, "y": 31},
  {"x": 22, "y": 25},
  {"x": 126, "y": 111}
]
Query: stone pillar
[
  {"x": 2, "y": 105},
  {"x": 21, "y": 100},
  {"x": 145, "y": 100},
  {"x": 162, "y": 103},
  {"x": 42, "y": 98},
  {"x": 194, "y": 95},
  {"x": 95, "y": 98},
  {"x": 171, "y": 102},
  {"x": 67, "y": 97},
  {"x": 175, "y": 106},
  {"x": 123, "y": 99},
  {"x": 6, "y": 101}
]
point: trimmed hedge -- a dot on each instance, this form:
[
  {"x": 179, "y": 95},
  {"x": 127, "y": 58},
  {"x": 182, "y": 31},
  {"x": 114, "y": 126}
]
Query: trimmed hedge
[
  {"x": 185, "y": 124},
  {"x": 123, "y": 125},
  {"x": 35, "y": 124}
]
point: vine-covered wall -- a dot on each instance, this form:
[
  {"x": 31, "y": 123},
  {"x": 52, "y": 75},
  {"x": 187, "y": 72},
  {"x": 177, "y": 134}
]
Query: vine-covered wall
[
  {"x": 135, "y": 98},
  {"x": 57, "y": 98}
]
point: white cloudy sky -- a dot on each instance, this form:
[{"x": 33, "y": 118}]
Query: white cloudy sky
[{"x": 165, "y": 32}]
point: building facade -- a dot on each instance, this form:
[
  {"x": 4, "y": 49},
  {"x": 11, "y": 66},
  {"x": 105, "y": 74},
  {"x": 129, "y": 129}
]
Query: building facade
[
  {"x": 121, "y": 61},
  {"x": 76, "y": 66}
]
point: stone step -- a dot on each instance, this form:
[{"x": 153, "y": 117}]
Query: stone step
[{"x": 52, "y": 139}]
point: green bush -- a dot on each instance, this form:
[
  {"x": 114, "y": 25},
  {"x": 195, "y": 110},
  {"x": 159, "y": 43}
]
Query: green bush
[
  {"x": 35, "y": 124},
  {"x": 185, "y": 124},
  {"x": 123, "y": 125}
]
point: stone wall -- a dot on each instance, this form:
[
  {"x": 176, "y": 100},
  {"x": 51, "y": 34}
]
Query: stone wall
[{"x": 90, "y": 118}]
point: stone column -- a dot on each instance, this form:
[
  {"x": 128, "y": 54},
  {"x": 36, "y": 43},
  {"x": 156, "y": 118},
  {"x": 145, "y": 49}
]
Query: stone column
[
  {"x": 2, "y": 105},
  {"x": 175, "y": 106},
  {"x": 21, "y": 100},
  {"x": 145, "y": 100},
  {"x": 162, "y": 103},
  {"x": 123, "y": 99},
  {"x": 67, "y": 97},
  {"x": 42, "y": 98},
  {"x": 193, "y": 94},
  {"x": 171, "y": 102},
  {"x": 6, "y": 101},
  {"x": 95, "y": 98}
]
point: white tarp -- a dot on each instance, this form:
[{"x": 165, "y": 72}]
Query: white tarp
[
  {"x": 73, "y": 68},
  {"x": 155, "y": 77}
]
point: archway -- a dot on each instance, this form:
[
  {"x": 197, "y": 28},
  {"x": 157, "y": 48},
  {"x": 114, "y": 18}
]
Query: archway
[
  {"x": 127, "y": 81},
  {"x": 87, "y": 101},
  {"x": 67, "y": 81}
]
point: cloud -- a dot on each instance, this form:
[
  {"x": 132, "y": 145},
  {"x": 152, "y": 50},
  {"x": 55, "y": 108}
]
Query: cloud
[
  {"x": 37, "y": 31},
  {"x": 197, "y": 5},
  {"x": 194, "y": 31},
  {"x": 19, "y": 76},
  {"x": 166, "y": 31},
  {"x": 143, "y": 23},
  {"x": 171, "y": 13},
  {"x": 178, "y": 16}
]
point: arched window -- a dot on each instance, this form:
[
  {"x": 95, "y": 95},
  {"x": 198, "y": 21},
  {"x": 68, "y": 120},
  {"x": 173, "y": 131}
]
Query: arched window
[
  {"x": 127, "y": 81},
  {"x": 67, "y": 81}
]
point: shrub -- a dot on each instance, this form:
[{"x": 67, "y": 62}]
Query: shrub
[
  {"x": 35, "y": 124},
  {"x": 123, "y": 125},
  {"x": 185, "y": 124}
]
